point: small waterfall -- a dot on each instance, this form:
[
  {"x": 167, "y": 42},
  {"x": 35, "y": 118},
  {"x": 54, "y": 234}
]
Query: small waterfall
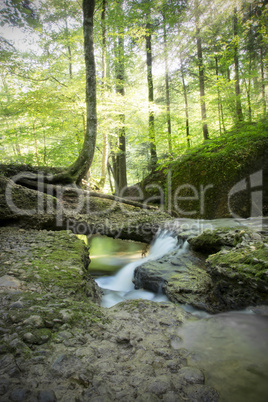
[{"x": 120, "y": 286}]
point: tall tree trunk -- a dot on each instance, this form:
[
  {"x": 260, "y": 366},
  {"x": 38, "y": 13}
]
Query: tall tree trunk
[
  {"x": 69, "y": 48},
  {"x": 121, "y": 164},
  {"x": 80, "y": 167},
  {"x": 220, "y": 110},
  {"x": 201, "y": 73},
  {"x": 248, "y": 91},
  {"x": 150, "y": 92},
  {"x": 105, "y": 144},
  {"x": 239, "y": 113},
  {"x": 78, "y": 170},
  {"x": 263, "y": 81},
  {"x": 186, "y": 106},
  {"x": 167, "y": 89}
]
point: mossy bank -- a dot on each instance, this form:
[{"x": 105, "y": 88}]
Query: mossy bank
[{"x": 200, "y": 183}]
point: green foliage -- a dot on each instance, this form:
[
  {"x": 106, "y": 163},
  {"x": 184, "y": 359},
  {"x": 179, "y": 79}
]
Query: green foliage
[{"x": 42, "y": 85}]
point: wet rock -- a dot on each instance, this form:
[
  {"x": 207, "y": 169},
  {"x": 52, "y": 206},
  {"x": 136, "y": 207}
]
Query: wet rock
[
  {"x": 8, "y": 281},
  {"x": 4, "y": 386},
  {"x": 29, "y": 337},
  {"x": 17, "y": 304},
  {"x": 19, "y": 395},
  {"x": 239, "y": 276},
  {"x": 181, "y": 276},
  {"x": 159, "y": 386},
  {"x": 34, "y": 321},
  {"x": 46, "y": 396},
  {"x": 37, "y": 338},
  {"x": 199, "y": 393},
  {"x": 191, "y": 375}
]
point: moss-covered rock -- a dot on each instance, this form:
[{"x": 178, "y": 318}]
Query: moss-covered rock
[
  {"x": 240, "y": 276},
  {"x": 181, "y": 276},
  {"x": 198, "y": 184},
  {"x": 47, "y": 261},
  {"x": 212, "y": 241},
  {"x": 238, "y": 266}
]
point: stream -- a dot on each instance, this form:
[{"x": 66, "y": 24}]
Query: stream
[{"x": 231, "y": 347}]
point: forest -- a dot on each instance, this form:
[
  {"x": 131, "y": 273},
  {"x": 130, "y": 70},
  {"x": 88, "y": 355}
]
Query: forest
[
  {"x": 169, "y": 75},
  {"x": 133, "y": 200}
]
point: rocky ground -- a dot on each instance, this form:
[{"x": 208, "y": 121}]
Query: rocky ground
[{"x": 58, "y": 344}]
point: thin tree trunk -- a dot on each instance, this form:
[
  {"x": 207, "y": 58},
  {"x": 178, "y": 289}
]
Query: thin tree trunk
[
  {"x": 36, "y": 146},
  {"x": 104, "y": 40},
  {"x": 45, "y": 149},
  {"x": 228, "y": 74},
  {"x": 248, "y": 88},
  {"x": 105, "y": 144},
  {"x": 239, "y": 113},
  {"x": 201, "y": 74},
  {"x": 167, "y": 89},
  {"x": 70, "y": 62},
  {"x": 218, "y": 92},
  {"x": 186, "y": 106},
  {"x": 120, "y": 89},
  {"x": 150, "y": 93},
  {"x": 263, "y": 82},
  {"x": 69, "y": 50},
  {"x": 110, "y": 174}
]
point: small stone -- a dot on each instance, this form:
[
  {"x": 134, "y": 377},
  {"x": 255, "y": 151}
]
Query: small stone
[
  {"x": 201, "y": 393},
  {"x": 46, "y": 396},
  {"x": 18, "y": 395},
  {"x": 159, "y": 386},
  {"x": 4, "y": 386},
  {"x": 29, "y": 337},
  {"x": 66, "y": 315},
  {"x": 192, "y": 375},
  {"x": 9, "y": 282},
  {"x": 17, "y": 304},
  {"x": 35, "y": 321}
]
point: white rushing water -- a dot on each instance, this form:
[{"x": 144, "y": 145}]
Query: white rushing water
[{"x": 120, "y": 286}]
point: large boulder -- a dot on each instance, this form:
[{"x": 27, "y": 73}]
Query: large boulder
[
  {"x": 238, "y": 267},
  {"x": 180, "y": 275},
  {"x": 224, "y": 177}
]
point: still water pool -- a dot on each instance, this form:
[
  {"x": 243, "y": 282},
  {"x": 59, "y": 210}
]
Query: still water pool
[{"x": 232, "y": 348}]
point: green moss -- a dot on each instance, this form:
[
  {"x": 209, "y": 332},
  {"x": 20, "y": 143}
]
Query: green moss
[
  {"x": 249, "y": 261},
  {"x": 220, "y": 163},
  {"x": 208, "y": 242}
]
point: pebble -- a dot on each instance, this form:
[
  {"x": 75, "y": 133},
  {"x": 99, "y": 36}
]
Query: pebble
[
  {"x": 18, "y": 395},
  {"x": 29, "y": 337},
  {"x": 17, "y": 304},
  {"x": 191, "y": 375},
  {"x": 34, "y": 321},
  {"x": 46, "y": 396}
]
